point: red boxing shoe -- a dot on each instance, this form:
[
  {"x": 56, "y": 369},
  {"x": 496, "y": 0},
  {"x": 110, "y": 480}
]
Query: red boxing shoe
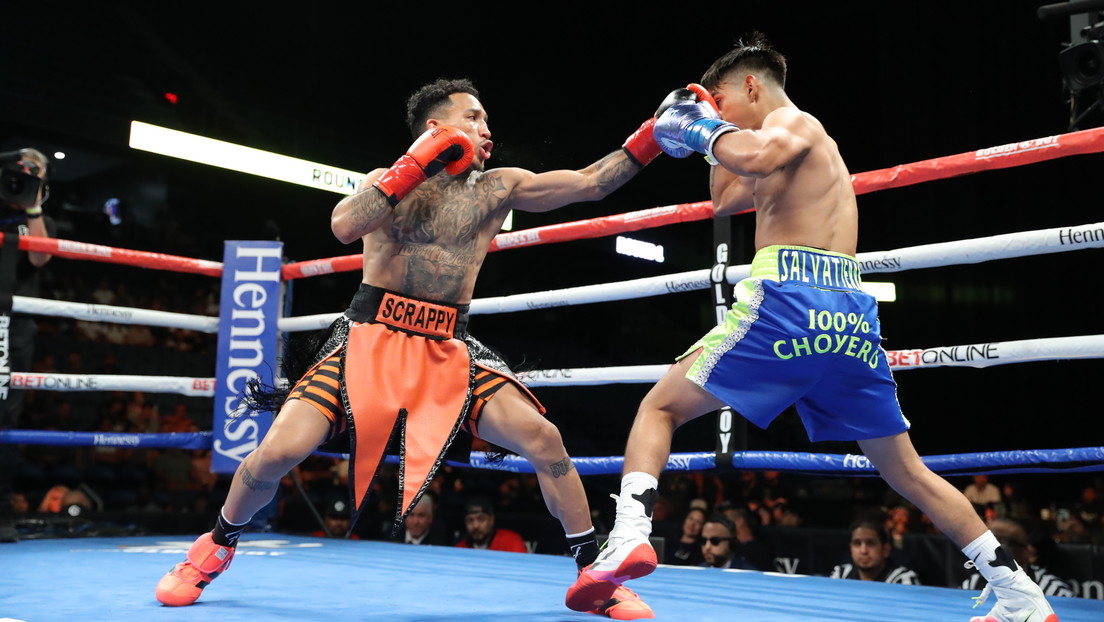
[
  {"x": 622, "y": 558},
  {"x": 624, "y": 605},
  {"x": 185, "y": 582}
]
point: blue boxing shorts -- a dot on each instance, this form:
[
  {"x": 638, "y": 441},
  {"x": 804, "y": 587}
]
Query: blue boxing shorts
[{"x": 802, "y": 331}]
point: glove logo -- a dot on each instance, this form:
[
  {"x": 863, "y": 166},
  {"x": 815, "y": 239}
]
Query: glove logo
[{"x": 673, "y": 148}]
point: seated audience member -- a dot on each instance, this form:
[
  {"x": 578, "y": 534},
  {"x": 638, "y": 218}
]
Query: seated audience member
[
  {"x": 336, "y": 516},
  {"x": 720, "y": 546},
  {"x": 60, "y": 499},
  {"x": 687, "y": 549},
  {"x": 482, "y": 533},
  {"x": 870, "y": 557},
  {"x": 985, "y": 495},
  {"x": 421, "y": 526},
  {"x": 749, "y": 546}
]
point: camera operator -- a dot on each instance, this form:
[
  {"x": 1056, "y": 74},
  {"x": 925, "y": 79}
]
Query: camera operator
[{"x": 23, "y": 189}]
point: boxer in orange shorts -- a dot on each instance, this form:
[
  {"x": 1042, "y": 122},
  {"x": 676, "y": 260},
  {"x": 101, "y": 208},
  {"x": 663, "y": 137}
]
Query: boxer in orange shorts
[{"x": 400, "y": 358}]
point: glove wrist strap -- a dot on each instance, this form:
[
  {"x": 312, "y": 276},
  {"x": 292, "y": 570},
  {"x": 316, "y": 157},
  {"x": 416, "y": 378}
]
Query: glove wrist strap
[
  {"x": 397, "y": 182},
  {"x": 717, "y": 133},
  {"x": 641, "y": 145}
]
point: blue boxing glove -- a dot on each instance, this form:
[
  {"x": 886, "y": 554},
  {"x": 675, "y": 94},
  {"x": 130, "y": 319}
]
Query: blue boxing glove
[{"x": 689, "y": 126}]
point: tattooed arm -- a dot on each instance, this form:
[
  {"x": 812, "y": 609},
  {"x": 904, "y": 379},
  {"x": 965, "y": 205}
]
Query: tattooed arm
[
  {"x": 358, "y": 215},
  {"x": 542, "y": 192}
]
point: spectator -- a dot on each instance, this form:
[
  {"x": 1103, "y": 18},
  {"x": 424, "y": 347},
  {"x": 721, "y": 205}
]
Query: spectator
[
  {"x": 336, "y": 517},
  {"x": 1017, "y": 505},
  {"x": 23, "y": 190},
  {"x": 482, "y": 533},
  {"x": 720, "y": 546},
  {"x": 1091, "y": 510},
  {"x": 870, "y": 557},
  {"x": 748, "y": 545},
  {"x": 716, "y": 542},
  {"x": 983, "y": 494},
  {"x": 19, "y": 503},
  {"x": 422, "y": 527},
  {"x": 104, "y": 294},
  {"x": 59, "y": 499},
  {"x": 898, "y": 523},
  {"x": 784, "y": 514},
  {"x": 687, "y": 549},
  {"x": 1071, "y": 529},
  {"x": 1013, "y": 537}
]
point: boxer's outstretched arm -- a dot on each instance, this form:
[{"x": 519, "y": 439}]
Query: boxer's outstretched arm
[{"x": 542, "y": 192}]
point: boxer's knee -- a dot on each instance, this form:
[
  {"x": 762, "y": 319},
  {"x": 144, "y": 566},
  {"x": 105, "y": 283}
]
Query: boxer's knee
[{"x": 545, "y": 441}]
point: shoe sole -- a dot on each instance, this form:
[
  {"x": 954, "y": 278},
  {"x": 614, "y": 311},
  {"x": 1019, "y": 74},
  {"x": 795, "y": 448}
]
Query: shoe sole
[
  {"x": 592, "y": 589},
  {"x": 1050, "y": 618}
]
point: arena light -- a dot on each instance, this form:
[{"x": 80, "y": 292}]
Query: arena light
[
  {"x": 639, "y": 249},
  {"x": 883, "y": 292},
  {"x": 226, "y": 155},
  {"x": 242, "y": 159}
]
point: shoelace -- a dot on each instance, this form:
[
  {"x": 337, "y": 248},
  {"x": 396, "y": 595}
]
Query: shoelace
[
  {"x": 985, "y": 592},
  {"x": 978, "y": 600}
]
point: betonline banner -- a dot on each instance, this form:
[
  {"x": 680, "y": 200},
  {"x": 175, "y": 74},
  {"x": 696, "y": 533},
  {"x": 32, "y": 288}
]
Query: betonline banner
[{"x": 247, "y": 344}]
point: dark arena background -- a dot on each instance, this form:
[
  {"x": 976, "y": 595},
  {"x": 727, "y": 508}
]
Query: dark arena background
[{"x": 92, "y": 522}]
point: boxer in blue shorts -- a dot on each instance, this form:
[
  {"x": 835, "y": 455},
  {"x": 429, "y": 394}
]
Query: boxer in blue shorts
[{"x": 802, "y": 331}]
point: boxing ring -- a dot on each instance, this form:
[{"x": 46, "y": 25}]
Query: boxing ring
[{"x": 289, "y": 577}]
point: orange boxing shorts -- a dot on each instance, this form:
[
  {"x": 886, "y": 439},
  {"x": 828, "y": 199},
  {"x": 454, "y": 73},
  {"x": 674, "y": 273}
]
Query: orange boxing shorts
[{"x": 404, "y": 367}]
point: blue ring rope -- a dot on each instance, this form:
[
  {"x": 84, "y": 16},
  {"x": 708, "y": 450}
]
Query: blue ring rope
[{"x": 1077, "y": 459}]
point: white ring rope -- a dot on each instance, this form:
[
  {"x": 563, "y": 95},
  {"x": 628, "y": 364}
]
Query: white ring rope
[
  {"x": 192, "y": 387},
  {"x": 977, "y": 250},
  {"x": 114, "y": 315},
  {"x": 974, "y": 355},
  {"x": 1062, "y": 239}
]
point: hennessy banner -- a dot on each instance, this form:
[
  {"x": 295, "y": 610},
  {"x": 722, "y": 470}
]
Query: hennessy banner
[
  {"x": 9, "y": 253},
  {"x": 247, "y": 346}
]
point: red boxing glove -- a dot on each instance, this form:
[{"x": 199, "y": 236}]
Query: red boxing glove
[
  {"x": 641, "y": 145},
  {"x": 441, "y": 147},
  {"x": 703, "y": 95}
]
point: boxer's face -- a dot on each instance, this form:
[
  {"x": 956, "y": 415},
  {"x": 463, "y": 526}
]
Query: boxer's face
[
  {"x": 467, "y": 114},
  {"x": 735, "y": 96}
]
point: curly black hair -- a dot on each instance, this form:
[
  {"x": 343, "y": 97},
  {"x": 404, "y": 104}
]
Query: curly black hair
[{"x": 430, "y": 98}]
